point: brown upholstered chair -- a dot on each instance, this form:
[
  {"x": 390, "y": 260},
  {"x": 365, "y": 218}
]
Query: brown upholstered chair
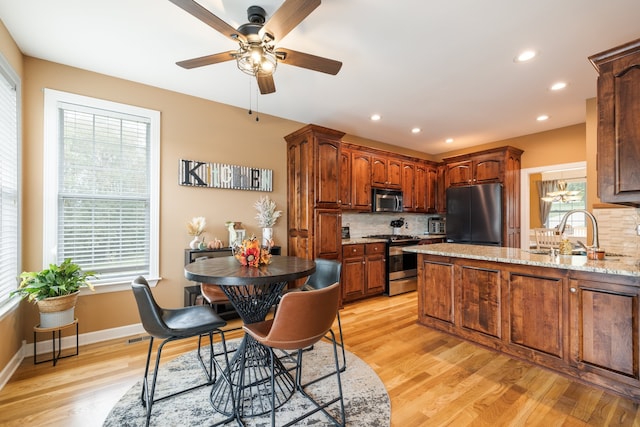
[
  {"x": 327, "y": 273},
  {"x": 302, "y": 319}
]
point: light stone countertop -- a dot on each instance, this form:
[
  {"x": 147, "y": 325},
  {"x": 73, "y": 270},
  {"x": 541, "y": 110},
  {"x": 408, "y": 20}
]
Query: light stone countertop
[
  {"x": 620, "y": 265},
  {"x": 361, "y": 240}
]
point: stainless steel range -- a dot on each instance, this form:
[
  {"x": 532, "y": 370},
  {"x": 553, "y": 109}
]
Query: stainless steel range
[{"x": 402, "y": 266}]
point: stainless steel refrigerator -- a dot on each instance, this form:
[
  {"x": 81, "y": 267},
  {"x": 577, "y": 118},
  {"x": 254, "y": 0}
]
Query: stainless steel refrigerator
[{"x": 474, "y": 214}]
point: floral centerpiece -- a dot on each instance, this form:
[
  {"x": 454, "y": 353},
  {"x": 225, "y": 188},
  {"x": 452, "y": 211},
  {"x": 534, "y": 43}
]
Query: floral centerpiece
[
  {"x": 267, "y": 217},
  {"x": 251, "y": 253},
  {"x": 195, "y": 228}
]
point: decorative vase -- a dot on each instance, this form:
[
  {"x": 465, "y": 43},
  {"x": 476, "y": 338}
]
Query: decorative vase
[
  {"x": 57, "y": 311},
  {"x": 267, "y": 236},
  {"x": 195, "y": 243}
]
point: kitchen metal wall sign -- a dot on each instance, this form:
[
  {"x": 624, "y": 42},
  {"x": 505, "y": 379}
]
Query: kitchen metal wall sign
[{"x": 219, "y": 175}]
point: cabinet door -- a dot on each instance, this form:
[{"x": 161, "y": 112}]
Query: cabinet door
[
  {"x": 353, "y": 272},
  {"x": 394, "y": 173},
  {"x": 345, "y": 178},
  {"x": 421, "y": 184},
  {"x": 618, "y": 131},
  {"x": 328, "y": 236},
  {"x": 328, "y": 164},
  {"x": 481, "y": 299},
  {"x": 408, "y": 186},
  {"x": 460, "y": 173},
  {"x": 604, "y": 325},
  {"x": 535, "y": 313},
  {"x": 432, "y": 188},
  {"x": 361, "y": 181},
  {"x": 436, "y": 295},
  {"x": 488, "y": 169},
  {"x": 376, "y": 272}
]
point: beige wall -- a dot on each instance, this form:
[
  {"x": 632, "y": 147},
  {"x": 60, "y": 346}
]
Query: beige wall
[
  {"x": 197, "y": 129},
  {"x": 191, "y": 128}
]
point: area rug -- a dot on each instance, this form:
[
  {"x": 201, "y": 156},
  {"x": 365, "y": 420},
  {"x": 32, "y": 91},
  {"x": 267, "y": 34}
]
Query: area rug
[{"x": 365, "y": 397}]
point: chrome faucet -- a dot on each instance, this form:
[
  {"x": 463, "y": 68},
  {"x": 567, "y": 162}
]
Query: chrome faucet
[{"x": 563, "y": 224}]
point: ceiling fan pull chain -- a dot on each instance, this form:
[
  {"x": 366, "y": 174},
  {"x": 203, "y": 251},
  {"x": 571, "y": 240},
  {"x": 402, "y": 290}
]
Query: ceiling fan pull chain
[
  {"x": 250, "y": 112},
  {"x": 257, "y": 106}
]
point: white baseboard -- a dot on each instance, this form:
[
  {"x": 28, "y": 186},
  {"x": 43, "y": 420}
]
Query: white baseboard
[{"x": 45, "y": 345}]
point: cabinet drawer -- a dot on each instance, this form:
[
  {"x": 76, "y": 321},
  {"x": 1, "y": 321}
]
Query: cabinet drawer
[
  {"x": 350, "y": 251},
  {"x": 375, "y": 248}
]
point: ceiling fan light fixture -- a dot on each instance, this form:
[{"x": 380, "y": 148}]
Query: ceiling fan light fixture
[{"x": 256, "y": 60}]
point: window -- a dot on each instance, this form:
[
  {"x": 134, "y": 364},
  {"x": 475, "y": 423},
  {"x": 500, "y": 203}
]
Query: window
[
  {"x": 576, "y": 224},
  {"x": 101, "y": 186},
  {"x": 9, "y": 182}
]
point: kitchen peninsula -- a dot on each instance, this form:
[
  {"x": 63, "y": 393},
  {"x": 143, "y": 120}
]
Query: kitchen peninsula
[{"x": 576, "y": 316}]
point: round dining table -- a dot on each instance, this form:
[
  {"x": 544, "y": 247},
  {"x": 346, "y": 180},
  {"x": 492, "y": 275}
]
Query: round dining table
[{"x": 253, "y": 292}]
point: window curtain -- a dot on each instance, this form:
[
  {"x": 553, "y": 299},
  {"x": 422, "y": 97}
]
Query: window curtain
[{"x": 545, "y": 187}]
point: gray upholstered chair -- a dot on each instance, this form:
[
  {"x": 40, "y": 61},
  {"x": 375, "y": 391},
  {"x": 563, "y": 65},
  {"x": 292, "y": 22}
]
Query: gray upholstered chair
[
  {"x": 171, "y": 325},
  {"x": 302, "y": 319}
]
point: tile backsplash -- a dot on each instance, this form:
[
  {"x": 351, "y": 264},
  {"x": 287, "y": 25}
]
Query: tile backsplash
[
  {"x": 617, "y": 230},
  {"x": 366, "y": 224}
]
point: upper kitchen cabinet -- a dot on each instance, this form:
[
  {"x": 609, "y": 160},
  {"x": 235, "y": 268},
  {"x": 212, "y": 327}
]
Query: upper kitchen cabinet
[
  {"x": 426, "y": 184},
  {"x": 355, "y": 179},
  {"x": 314, "y": 168},
  {"x": 386, "y": 172},
  {"x": 618, "y": 123},
  {"x": 408, "y": 185}
]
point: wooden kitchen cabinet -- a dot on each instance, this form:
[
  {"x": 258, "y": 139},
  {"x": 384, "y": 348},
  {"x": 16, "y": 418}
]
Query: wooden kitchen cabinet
[
  {"x": 360, "y": 181},
  {"x": 314, "y": 165},
  {"x": 481, "y": 169},
  {"x": 618, "y": 125},
  {"x": 536, "y": 313},
  {"x": 604, "y": 322},
  {"x": 345, "y": 177},
  {"x": 481, "y": 296},
  {"x": 436, "y": 295},
  {"x": 408, "y": 186},
  {"x": 363, "y": 270},
  {"x": 386, "y": 171},
  {"x": 425, "y": 187}
]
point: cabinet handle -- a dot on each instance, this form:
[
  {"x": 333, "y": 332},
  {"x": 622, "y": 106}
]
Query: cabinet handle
[{"x": 573, "y": 290}]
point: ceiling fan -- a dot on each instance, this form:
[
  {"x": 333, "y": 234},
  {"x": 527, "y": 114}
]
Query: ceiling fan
[{"x": 257, "y": 54}]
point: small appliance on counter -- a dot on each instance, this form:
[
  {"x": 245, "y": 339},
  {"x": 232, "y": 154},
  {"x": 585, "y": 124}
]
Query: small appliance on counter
[
  {"x": 437, "y": 225},
  {"x": 346, "y": 234}
]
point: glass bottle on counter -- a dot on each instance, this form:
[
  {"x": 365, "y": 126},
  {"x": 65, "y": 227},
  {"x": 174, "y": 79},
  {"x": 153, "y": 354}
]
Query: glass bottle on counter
[{"x": 566, "y": 248}]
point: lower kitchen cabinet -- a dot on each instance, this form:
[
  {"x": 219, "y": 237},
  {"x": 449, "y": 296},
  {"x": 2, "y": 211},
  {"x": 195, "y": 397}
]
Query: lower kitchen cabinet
[
  {"x": 581, "y": 324},
  {"x": 363, "y": 270},
  {"x": 604, "y": 320}
]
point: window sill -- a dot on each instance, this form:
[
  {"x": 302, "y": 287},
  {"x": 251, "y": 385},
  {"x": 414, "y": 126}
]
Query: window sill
[
  {"x": 9, "y": 307},
  {"x": 104, "y": 288}
]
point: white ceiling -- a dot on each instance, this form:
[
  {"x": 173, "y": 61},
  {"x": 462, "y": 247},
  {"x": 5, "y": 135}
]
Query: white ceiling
[{"x": 444, "y": 66}]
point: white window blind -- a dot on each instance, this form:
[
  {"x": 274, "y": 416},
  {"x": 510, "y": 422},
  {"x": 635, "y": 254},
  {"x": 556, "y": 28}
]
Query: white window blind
[
  {"x": 9, "y": 183},
  {"x": 106, "y": 187}
]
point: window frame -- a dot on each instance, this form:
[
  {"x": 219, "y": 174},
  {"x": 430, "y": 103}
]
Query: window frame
[
  {"x": 52, "y": 100},
  {"x": 6, "y": 70}
]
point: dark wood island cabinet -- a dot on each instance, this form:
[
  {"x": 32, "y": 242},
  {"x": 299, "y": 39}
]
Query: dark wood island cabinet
[{"x": 577, "y": 317}]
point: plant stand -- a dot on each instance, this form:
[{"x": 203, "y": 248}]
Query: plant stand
[{"x": 55, "y": 330}]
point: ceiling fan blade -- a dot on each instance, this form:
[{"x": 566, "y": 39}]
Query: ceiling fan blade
[
  {"x": 305, "y": 60},
  {"x": 207, "y": 60},
  {"x": 266, "y": 84},
  {"x": 288, "y": 16},
  {"x": 209, "y": 18}
]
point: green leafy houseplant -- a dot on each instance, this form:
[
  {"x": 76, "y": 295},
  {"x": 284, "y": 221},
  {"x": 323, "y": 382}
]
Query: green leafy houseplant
[{"x": 57, "y": 280}]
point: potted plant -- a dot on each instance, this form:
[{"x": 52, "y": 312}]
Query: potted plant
[{"x": 55, "y": 290}]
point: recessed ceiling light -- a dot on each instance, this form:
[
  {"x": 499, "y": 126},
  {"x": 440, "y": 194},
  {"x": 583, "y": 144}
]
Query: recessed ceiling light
[
  {"x": 375, "y": 117},
  {"x": 448, "y": 140},
  {"x": 416, "y": 130},
  {"x": 558, "y": 86},
  {"x": 525, "y": 56},
  {"x": 542, "y": 118}
]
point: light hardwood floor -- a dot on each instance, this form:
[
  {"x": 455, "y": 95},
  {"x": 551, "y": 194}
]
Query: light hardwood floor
[{"x": 432, "y": 379}]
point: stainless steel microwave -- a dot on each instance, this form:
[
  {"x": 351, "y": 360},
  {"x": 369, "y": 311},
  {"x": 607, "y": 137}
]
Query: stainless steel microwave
[{"x": 384, "y": 200}]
